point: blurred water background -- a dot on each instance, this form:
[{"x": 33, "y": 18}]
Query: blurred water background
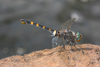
[{"x": 18, "y": 39}]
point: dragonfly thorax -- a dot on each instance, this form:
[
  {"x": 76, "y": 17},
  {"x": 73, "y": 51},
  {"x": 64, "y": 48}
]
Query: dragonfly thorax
[
  {"x": 67, "y": 35},
  {"x": 70, "y": 36}
]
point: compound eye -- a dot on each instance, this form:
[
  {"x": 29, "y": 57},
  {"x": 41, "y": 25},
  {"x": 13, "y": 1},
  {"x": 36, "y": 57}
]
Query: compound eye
[{"x": 78, "y": 37}]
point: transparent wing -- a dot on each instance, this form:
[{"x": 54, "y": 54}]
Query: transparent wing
[
  {"x": 57, "y": 42},
  {"x": 67, "y": 24}
]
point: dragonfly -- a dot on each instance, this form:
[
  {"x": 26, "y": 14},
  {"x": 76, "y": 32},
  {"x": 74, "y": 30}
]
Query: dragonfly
[{"x": 63, "y": 37}]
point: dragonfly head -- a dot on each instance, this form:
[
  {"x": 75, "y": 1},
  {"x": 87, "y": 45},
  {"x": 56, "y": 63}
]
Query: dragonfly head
[{"x": 78, "y": 36}]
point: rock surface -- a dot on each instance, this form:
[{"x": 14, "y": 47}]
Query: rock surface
[{"x": 57, "y": 58}]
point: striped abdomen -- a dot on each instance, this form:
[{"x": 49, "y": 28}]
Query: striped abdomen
[{"x": 54, "y": 32}]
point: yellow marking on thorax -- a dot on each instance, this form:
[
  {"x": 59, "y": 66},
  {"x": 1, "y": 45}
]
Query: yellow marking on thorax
[
  {"x": 32, "y": 23},
  {"x": 37, "y": 24},
  {"x": 54, "y": 32},
  {"x": 43, "y": 27}
]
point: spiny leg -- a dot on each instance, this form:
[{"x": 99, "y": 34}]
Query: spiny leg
[
  {"x": 75, "y": 46},
  {"x": 65, "y": 44},
  {"x": 79, "y": 46},
  {"x": 63, "y": 47},
  {"x": 71, "y": 47},
  {"x": 81, "y": 49}
]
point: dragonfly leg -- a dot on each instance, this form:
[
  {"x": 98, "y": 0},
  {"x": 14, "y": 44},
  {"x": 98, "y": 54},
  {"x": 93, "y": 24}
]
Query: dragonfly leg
[
  {"x": 63, "y": 46},
  {"x": 79, "y": 48},
  {"x": 71, "y": 47},
  {"x": 63, "y": 43},
  {"x": 68, "y": 49}
]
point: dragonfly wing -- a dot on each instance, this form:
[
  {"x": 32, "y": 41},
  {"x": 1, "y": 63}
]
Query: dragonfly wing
[
  {"x": 67, "y": 24},
  {"x": 57, "y": 42}
]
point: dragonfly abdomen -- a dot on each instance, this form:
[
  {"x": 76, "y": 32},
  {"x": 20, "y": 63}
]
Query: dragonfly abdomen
[{"x": 54, "y": 32}]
